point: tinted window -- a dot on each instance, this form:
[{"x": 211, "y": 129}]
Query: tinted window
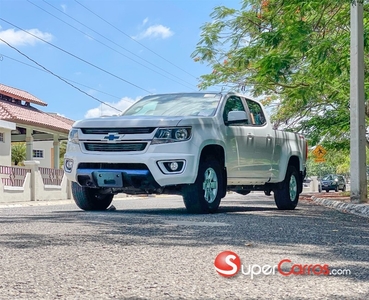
[
  {"x": 256, "y": 112},
  {"x": 233, "y": 104}
]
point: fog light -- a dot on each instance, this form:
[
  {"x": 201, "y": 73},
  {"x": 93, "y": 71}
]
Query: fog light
[
  {"x": 68, "y": 165},
  {"x": 173, "y": 166}
]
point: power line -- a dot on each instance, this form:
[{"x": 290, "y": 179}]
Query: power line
[
  {"x": 39, "y": 69},
  {"x": 111, "y": 42},
  {"x": 47, "y": 70},
  {"x": 135, "y": 40},
  {"x": 75, "y": 56}
]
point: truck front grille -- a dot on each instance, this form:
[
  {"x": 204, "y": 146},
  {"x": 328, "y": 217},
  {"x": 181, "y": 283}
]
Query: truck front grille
[{"x": 115, "y": 147}]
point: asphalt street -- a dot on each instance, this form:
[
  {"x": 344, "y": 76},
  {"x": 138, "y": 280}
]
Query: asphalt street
[{"x": 150, "y": 248}]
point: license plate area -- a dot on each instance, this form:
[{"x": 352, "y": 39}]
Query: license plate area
[{"x": 108, "y": 178}]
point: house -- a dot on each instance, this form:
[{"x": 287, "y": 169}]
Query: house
[
  {"x": 5, "y": 142},
  {"x": 41, "y": 131}
]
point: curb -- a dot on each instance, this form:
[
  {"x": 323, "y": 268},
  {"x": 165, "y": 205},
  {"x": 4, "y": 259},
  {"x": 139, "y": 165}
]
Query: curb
[{"x": 355, "y": 209}]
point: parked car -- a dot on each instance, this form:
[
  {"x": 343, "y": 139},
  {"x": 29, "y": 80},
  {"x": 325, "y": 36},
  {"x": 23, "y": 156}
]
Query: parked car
[
  {"x": 332, "y": 182},
  {"x": 307, "y": 181}
]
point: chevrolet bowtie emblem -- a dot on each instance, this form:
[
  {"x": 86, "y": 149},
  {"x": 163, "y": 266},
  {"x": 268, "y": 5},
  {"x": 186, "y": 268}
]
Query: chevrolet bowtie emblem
[{"x": 111, "y": 137}]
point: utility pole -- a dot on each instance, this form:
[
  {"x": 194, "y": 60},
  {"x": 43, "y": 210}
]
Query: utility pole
[{"x": 357, "y": 106}]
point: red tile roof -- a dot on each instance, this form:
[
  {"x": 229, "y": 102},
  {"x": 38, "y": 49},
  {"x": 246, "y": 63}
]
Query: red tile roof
[
  {"x": 29, "y": 115},
  {"x": 62, "y": 118},
  {"x": 20, "y": 95}
]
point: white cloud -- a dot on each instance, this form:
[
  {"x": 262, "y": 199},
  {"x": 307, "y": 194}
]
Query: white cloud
[
  {"x": 145, "y": 21},
  {"x": 104, "y": 110},
  {"x": 155, "y": 31},
  {"x": 22, "y": 38}
]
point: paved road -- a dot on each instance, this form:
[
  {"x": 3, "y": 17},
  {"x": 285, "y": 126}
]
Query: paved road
[{"x": 152, "y": 249}]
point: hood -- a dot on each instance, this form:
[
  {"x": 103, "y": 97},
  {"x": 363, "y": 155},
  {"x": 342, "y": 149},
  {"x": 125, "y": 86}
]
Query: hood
[{"x": 128, "y": 121}]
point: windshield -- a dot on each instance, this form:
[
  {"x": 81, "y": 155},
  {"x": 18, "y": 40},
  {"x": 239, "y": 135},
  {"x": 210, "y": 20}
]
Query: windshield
[
  {"x": 329, "y": 177},
  {"x": 196, "y": 104}
]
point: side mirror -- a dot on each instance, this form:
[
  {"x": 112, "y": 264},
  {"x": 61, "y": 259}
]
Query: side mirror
[{"x": 235, "y": 117}]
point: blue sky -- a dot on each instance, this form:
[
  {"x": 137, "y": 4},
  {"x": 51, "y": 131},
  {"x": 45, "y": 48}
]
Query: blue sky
[{"x": 119, "y": 50}]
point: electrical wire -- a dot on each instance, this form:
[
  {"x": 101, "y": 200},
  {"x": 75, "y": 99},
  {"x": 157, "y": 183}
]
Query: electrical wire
[
  {"x": 77, "y": 57},
  {"x": 62, "y": 79},
  {"x": 39, "y": 69},
  {"x": 91, "y": 37},
  {"x": 134, "y": 39}
]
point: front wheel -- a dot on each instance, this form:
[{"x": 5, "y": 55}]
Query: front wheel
[
  {"x": 287, "y": 197},
  {"x": 205, "y": 194},
  {"x": 344, "y": 188},
  {"x": 89, "y": 198}
]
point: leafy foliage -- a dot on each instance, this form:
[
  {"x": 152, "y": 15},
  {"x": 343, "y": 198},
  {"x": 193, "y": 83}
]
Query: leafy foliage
[
  {"x": 62, "y": 150},
  {"x": 294, "y": 54},
  {"x": 18, "y": 153}
]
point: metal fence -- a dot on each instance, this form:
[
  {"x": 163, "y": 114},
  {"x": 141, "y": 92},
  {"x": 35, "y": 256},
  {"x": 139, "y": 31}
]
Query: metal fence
[
  {"x": 51, "y": 176},
  {"x": 13, "y": 176}
]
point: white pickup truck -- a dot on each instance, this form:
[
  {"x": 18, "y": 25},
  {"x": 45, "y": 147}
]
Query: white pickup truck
[{"x": 198, "y": 145}]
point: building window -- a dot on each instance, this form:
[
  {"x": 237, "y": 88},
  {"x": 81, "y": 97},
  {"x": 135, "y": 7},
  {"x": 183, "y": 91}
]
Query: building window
[
  {"x": 38, "y": 153},
  {"x": 2, "y": 137}
]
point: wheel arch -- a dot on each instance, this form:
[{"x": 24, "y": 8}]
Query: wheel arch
[
  {"x": 217, "y": 152},
  {"x": 295, "y": 161}
]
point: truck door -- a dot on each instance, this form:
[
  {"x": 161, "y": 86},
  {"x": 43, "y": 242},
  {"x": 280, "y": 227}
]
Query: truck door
[
  {"x": 239, "y": 149},
  {"x": 263, "y": 139}
]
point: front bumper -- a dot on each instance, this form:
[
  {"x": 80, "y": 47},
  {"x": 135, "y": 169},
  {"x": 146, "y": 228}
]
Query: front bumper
[{"x": 145, "y": 171}]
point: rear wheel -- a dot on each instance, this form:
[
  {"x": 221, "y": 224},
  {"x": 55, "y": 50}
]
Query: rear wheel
[
  {"x": 287, "y": 197},
  {"x": 336, "y": 188},
  {"x": 344, "y": 188},
  {"x": 90, "y": 199},
  {"x": 205, "y": 194}
]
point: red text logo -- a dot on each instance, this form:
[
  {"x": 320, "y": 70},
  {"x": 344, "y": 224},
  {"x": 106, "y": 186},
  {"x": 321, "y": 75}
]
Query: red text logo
[
  {"x": 298, "y": 269},
  {"x": 227, "y": 263}
]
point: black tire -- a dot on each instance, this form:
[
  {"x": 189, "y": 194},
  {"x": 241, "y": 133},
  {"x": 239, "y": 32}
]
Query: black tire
[
  {"x": 89, "y": 198},
  {"x": 287, "y": 197},
  {"x": 319, "y": 189},
  {"x": 344, "y": 188},
  {"x": 327, "y": 191},
  {"x": 336, "y": 189},
  {"x": 205, "y": 194}
]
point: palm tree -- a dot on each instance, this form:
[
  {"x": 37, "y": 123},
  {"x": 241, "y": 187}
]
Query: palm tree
[
  {"x": 62, "y": 150},
  {"x": 18, "y": 153}
]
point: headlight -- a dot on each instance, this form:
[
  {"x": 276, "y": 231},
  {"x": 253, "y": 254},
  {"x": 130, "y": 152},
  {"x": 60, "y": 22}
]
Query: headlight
[
  {"x": 73, "y": 136},
  {"x": 171, "y": 135}
]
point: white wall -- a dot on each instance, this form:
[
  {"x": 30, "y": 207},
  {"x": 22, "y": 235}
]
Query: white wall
[
  {"x": 47, "y": 147},
  {"x": 9, "y": 194},
  {"x": 5, "y": 146}
]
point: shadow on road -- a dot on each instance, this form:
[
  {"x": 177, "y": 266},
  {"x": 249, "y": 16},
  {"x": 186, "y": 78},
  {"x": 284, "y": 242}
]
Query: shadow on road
[{"x": 235, "y": 225}]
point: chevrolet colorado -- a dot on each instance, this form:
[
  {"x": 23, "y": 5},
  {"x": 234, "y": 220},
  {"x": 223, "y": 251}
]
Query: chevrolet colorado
[{"x": 199, "y": 145}]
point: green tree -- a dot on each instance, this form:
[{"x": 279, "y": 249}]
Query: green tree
[
  {"x": 62, "y": 150},
  {"x": 18, "y": 153},
  {"x": 293, "y": 54}
]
